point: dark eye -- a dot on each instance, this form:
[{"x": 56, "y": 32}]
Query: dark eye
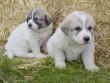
[
  {"x": 35, "y": 19},
  {"x": 78, "y": 28},
  {"x": 89, "y": 28},
  {"x": 28, "y": 18}
]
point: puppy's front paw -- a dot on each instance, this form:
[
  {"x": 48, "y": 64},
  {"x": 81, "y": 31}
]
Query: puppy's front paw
[
  {"x": 60, "y": 65},
  {"x": 92, "y": 68},
  {"x": 10, "y": 56}
]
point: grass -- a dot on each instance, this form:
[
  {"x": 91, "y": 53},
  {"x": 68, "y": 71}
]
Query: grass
[{"x": 21, "y": 70}]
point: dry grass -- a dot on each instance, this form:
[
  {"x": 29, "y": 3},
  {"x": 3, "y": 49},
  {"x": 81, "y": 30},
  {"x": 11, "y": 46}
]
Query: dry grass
[{"x": 13, "y": 12}]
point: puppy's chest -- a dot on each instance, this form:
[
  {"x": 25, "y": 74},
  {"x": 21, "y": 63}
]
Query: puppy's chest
[
  {"x": 40, "y": 36},
  {"x": 73, "y": 50}
]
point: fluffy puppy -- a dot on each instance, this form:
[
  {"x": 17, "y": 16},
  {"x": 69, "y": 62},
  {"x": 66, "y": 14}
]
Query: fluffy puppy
[
  {"x": 74, "y": 38},
  {"x": 28, "y": 38}
]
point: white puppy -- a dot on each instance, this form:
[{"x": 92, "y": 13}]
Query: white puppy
[
  {"x": 29, "y": 37},
  {"x": 74, "y": 37}
]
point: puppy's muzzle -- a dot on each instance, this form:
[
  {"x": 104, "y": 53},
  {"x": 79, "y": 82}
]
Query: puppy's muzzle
[
  {"x": 86, "y": 39},
  {"x": 30, "y": 25}
]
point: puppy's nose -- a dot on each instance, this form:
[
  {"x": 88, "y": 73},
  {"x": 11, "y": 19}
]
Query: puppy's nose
[
  {"x": 86, "y": 39},
  {"x": 30, "y": 25}
]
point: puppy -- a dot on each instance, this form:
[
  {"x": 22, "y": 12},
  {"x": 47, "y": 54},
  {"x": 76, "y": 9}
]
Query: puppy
[
  {"x": 74, "y": 37},
  {"x": 28, "y": 38}
]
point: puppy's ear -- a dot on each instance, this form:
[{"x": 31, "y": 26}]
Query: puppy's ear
[
  {"x": 48, "y": 19},
  {"x": 95, "y": 28},
  {"x": 29, "y": 16},
  {"x": 65, "y": 28}
]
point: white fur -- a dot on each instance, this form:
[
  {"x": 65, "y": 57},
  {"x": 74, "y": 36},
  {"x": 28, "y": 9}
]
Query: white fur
[
  {"x": 62, "y": 48},
  {"x": 24, "y": 39}
]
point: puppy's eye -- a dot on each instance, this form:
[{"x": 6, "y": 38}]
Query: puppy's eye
[
  {"x": 89, "y": 28},
  {"x": 78, "y": 28},
  {"x": 35, "y": 19}
]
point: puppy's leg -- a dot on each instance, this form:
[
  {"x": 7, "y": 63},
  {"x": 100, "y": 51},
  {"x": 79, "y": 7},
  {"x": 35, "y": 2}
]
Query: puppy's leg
[
  {"x": 35, "y": 46},
  {"x": 88, "y": 59},
  {"x": 59, "y": 59},
  {"x": 58, "y": 56}
]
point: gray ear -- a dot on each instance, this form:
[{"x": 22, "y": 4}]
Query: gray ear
[
  {"x": 29, "y": 16},
  {"x": 48, "y": 19},
  {"x": 65, "y": 27},
  {"x": 64, "y": 30}
]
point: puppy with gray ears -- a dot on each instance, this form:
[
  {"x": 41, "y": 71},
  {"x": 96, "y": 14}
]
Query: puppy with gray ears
[
  {"x": 29, "y": 37},
  {"x": 72, "y": 39}
]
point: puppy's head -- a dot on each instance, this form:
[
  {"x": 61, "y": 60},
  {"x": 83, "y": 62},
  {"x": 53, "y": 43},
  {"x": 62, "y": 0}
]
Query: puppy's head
[
  {"x": 38, "y": 19},
  {"x": 79, "y": 27}
]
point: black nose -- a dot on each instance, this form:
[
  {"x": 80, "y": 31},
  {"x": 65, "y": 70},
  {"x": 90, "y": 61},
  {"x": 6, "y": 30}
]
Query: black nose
[
  {"x": 86, "y": 39},
  {"x": 30, "y": 25}
]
